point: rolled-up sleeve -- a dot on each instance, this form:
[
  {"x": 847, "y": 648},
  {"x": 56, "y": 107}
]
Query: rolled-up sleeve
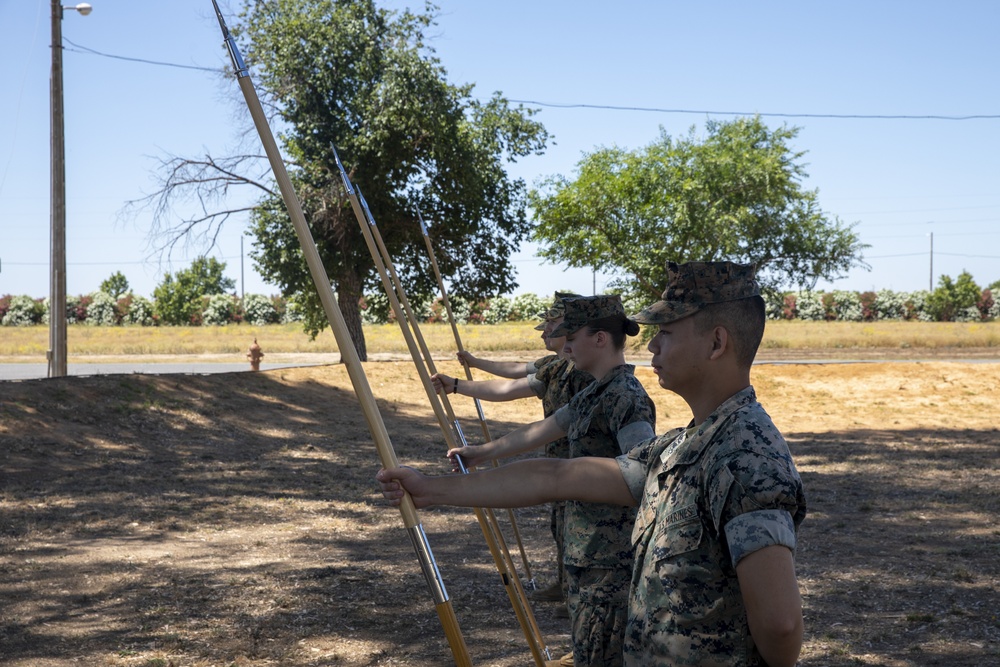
[
  {"x": 752, "y": 531},
  {"x": 632, "y": 434},
  {"x": 565, "y": 416},
  {"x": 635, "y": 465},
  {"x": 536, "y": 385}
]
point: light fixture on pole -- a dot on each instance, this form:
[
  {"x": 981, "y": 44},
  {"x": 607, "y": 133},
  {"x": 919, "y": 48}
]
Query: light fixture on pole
[{"x": 57, "y": 279}]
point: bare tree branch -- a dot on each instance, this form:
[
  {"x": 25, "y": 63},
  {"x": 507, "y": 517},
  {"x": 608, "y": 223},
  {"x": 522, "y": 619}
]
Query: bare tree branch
[{"x": 190, "y": 204}]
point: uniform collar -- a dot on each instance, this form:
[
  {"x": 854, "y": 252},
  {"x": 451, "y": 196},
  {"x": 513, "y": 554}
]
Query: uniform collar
[{"x": 675, "y": 455}]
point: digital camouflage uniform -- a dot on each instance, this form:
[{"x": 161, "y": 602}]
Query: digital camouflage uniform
[
  {"x": 609, "y": 417},
  {"x": 540, "y": 363},
  {"x": 708, "y": 497},
  {"x": 556, "y": 383}
]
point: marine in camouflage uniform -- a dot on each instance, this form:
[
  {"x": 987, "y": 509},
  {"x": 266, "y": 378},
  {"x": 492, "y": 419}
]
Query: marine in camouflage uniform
[
  {"x": 555, "y": 381},
  {"x": 719, "y": 501},
  {"x": 609, "y": 417},
  {"x": 556, "y": 310},
  {"x": 708, "y": 496}
]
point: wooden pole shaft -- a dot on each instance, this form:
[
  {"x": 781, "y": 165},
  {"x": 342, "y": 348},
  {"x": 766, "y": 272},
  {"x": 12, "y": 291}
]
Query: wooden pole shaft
[
  {"x": 422, "y": 359},
  {"x": 349, "y": 356},
  {"x": 468, "y": 374}
]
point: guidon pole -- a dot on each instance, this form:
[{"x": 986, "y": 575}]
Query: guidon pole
[
  {"x": 484, "y": 426},
  {"x": 349, "y": 355},
  {"x": 411, "y": 333}
]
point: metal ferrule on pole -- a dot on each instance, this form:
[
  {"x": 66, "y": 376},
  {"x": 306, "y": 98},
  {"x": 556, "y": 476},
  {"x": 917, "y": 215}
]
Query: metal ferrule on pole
[
  {"x": 234, "y": 53},
  {"x": 427, "y": 563}
]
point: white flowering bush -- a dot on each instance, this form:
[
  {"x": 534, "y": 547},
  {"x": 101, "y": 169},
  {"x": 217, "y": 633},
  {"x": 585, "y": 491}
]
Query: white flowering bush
[
  {"x": 846, "y": 306},
  {"x": 809, "y": 305},
  {"x": 969, "y": 314},
  {"x": 221, "y": 309},
  {"x": 259, "y": 310},
  {"x": 916, "y": 306},
  {"x": 461, "y": 309},
  {"x": 76, "y": 308},
  {"x": 889, "y": 305},
  {"x": 293, "y": 312},
  {"x": 376, "y": 309},
  {"x": 526, "y": 307},
  {"x": 498, "y": 310},
  {"x": 23, "y": 311},
  {"x": 140, "y": 312},
  {"x": 774, "y": 304},
  {"x": 102, "y": 310}
]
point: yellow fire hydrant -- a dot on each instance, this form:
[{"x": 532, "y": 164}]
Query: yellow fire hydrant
[{"x": 255, "y": 355}]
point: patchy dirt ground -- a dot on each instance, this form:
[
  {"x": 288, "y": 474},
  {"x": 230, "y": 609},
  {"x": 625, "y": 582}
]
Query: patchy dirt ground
[{"x": 232, "y": 520}]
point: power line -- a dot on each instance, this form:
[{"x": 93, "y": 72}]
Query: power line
[
  {"x": 89, "y": 51},
  {"x": 98, "y": 263},
  {"x": 610, "y": 107},
  {"x": 920, "y": 210}
]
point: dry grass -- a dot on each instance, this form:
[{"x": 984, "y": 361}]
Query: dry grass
[
  {"x": 280, "y": 338},
  {"x": 514, "y": 337},
  {"x": 882, "y": 335}
]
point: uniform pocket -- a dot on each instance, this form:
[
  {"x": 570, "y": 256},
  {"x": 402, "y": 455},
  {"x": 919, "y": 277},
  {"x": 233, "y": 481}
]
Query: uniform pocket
[{"x": 679, "y": 534}]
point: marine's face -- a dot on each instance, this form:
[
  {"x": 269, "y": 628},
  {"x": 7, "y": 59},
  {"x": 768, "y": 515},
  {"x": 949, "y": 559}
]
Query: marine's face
[
  {"x": 678, "y": 350},
  {"x": 553, "y": 344},
  {"x": 580, "y": 348}
]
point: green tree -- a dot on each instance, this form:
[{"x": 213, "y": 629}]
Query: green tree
[
  {"x": 349, "y": 74},
  {"x": 178, "y": 298},
  {"x": 116, "y": 285},
  {"x": 952, "y": 298},
  {"x": 734, "y": 195}
]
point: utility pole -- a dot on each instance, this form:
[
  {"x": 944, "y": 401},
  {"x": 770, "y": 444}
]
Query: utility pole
[
  {"x": 930, "y": 288},
  {"x": 57, "y": 243}
]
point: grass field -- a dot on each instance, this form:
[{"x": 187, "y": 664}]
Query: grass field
[{"x": 511, "y": 337}]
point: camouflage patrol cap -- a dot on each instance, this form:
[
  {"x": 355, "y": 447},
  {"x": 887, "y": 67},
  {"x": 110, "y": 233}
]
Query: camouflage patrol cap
[
  {"x": 556, "y": 310},
  {"x": 694, "y": 285},
  {"x": 579, "y": 310}
]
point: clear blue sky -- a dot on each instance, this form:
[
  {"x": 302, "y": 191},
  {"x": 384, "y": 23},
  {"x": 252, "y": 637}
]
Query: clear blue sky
[{"x": 899, "y": 179}]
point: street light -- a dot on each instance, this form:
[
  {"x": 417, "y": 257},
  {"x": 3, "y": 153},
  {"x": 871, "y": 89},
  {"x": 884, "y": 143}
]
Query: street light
[{"x": 57, "y": 280}]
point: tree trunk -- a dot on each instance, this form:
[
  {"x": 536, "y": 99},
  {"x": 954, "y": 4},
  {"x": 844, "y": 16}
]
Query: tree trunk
[{"x": 348, "y": 295}]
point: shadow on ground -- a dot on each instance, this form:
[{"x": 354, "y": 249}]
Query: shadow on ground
[{"x": 233, "y": 519}]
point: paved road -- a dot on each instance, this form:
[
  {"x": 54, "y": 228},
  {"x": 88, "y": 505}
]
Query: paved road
[{"x": 39, "y": 371}]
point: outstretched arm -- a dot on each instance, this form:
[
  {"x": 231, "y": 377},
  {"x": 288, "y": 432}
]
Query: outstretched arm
[
  {"x": 487, "y": 390},
  {"x": 519, "y": 484},
  {"x": 774, "y": 606},
  {"x": 504, "y": 369},
  {"x": 524, "y": 438}
]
